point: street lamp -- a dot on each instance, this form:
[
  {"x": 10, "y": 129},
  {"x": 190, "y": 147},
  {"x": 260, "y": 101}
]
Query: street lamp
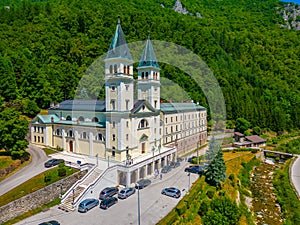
[
  {"x": 189, "y": 175},
  {"x": 139, "y": 210}
]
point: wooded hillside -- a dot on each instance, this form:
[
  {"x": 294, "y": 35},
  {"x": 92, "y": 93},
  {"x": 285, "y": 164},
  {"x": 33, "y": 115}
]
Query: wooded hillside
[{"x": 45, "y": 47}]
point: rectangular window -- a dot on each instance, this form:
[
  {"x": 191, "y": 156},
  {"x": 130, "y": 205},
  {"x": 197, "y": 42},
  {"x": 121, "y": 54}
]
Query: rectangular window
[
  {"x": 155, "y": 103},
  {"x": 113, "y": 104},
  {"x": 127, "y": 124},
  {"x": 127, "y": 105},
  {"x": 113, "y": 153},
  {"x": 166, "y": 120},
  {"x": 113, "y": 124},
  {"x": 171, "y": 119},
  {"x": 127, "y": 137},
  {"x": 127, "y": 87}
]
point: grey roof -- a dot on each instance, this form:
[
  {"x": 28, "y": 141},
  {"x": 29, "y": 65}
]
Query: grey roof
[
  {"x": 118, "y": 47},
  {"x": 255, "y": 139},
  {"x": 168, "y": 108},
  {"x": 139, "y": 103},
  {"x": 81, "y": 105},
  {"x": 148, "y": 58}
]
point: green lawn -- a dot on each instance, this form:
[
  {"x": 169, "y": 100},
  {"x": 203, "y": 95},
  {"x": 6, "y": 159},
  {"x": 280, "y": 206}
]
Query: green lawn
[
  {"x": 6, "y": 161},
  {"x": 33, "y": 184},
  {"x": 49, "y": 151}
]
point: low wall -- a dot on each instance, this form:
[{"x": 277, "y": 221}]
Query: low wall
[{"x": 37, "y": 198}]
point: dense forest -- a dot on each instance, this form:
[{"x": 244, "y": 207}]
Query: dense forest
[{"x": 46, "y": 46}]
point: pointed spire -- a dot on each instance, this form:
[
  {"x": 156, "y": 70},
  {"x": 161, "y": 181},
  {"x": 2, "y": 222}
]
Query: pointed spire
[
  {"x": 118, "y": 47},
  {"x": 148, "y": 57}
]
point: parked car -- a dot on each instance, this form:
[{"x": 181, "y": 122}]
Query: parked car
[
  {"x": 194, "y": 169},
  {"x": 108, "y": 192},
  {"x": 108, "y": 202},
  {"x": 142, "y": 183},
  {"x": 191, "y": 158},
  {"x": 166, "y": 169},
  {"x": 172, "y": 192},
  {"x": 126, "y": 192},
  {"x": 53, "y": 162},
  {"x": 51, "y": 222},
  {"x": 174, "y": 164},
  {"x": 87, "y": 204}
]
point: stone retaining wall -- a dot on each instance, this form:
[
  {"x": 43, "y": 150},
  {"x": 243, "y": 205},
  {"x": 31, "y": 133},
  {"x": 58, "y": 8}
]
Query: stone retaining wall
[{"x": 37, "y": 198}]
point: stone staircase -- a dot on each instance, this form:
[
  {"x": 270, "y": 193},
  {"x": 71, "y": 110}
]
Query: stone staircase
[{"x": 67, "y": 202}]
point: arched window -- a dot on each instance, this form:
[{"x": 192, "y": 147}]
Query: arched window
[
  {"x": 100, "y": 137},
  {"x": 95, "y": 119},
  {"x": 128, "y": 70},
  {"x": 69, "y": 118},
  {"x": 125, "y": 69},
  {"x": 57, "y": 131},
  {"x": 146, "y": 75},
  {"x": 115, "y": 68},
  {"x": 143, "y": 123},
  {"x": 110, "y": 69},
  {"x": 113, "y": 153},
  {"x": 113, "y": 137},
  {"x": 84, "y": 135},
  {"x": 70, "y": 133},
  {"x": 142, "y": 75},
  {"x": 81, "y": 118}
]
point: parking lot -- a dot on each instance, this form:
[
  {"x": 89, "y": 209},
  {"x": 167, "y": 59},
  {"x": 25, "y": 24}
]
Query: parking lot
[{"x": 153, "y": 205}]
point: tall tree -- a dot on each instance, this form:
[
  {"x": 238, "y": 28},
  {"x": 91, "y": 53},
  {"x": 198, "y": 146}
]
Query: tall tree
[{"x": 216, "y": 171}]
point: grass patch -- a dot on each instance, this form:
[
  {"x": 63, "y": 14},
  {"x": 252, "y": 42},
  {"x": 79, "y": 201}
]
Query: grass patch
[
  {"x": 34, "y": 184},
  {"x": 32, "y": 212},
  {"x": 6, "y": 161},
  {"x": 49, "y": 151}
]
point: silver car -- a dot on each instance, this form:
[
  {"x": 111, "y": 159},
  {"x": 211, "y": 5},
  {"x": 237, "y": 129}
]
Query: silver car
[
  {"x": 126, "y": 192},
  {"x": 87, "y": 204}
]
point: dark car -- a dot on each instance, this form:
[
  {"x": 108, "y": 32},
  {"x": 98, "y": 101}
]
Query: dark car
[
  {"x": 172, "y": 192},
  {"x": 194, "y": 169},
  {"x": 166, "y": 169},
  {"x": 108, "y": 202},
  {"x": 108, "y": 192},
  {"x": 126, "y": 192},
  {"x": 87, "y": 204},
  {"x": 142, "y": 183},
  {"x": 51, "y": 222},
  {"x": 174, "y": 164},
  {"x": 53, "y": 162},
  {"x": 191, "y": 158}
]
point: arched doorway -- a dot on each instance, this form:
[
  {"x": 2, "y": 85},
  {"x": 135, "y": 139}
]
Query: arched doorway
[{"x": 71, "y": 146}]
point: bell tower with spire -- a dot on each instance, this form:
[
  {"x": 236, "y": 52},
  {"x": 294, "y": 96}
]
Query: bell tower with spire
[
  {"x": 119, "y": 80},
  {"x": 149, "y": 76}
]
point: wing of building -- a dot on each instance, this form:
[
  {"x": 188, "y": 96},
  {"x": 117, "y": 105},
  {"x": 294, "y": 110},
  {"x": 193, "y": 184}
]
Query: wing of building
[{"x": 121, "y": 127}]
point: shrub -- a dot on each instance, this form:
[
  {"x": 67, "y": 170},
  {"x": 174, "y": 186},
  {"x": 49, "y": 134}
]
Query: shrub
[
  {"x": 231, "y": 177},
  {"x": 47, "y": 178},
  {"x": 62, "y": 172},
  {"x": 181, "y": 208},
  {"x": 204, "y": 208},
  {"x": 210, "y": 193}
]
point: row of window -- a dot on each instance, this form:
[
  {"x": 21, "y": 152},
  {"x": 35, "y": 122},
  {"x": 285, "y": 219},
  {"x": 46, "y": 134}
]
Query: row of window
[
  {"x": 145, "y": 75},
  {"x": 82, "y": 119},
  {"x": 38, "y": 129},
  {"x": 114, "y": 69},
  {"x": 38, "y": 139},
  {"x": 199, "y": 115},
  {"x": 83, "y": 135}
]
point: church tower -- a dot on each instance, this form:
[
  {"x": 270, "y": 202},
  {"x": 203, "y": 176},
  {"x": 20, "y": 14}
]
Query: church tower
[
  {"x": 119, "y": 89},
  {"x": 149, "y": 77},
  {"x": 119, "y": 74}
]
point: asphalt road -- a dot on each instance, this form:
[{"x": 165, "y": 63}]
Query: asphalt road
[
  {"x": 38, "y": 158},
  {"x": 154, "y": 205},
  {"x": 295, "y": 174}
]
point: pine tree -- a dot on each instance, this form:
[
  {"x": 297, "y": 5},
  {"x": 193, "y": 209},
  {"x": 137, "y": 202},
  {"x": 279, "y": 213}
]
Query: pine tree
[{"x": 216, "y": 171}]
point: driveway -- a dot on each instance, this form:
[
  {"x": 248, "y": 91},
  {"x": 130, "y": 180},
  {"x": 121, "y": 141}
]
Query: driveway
[
  {"x": 38, "y": 158},
  {"x": 154, "y": 205}
]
